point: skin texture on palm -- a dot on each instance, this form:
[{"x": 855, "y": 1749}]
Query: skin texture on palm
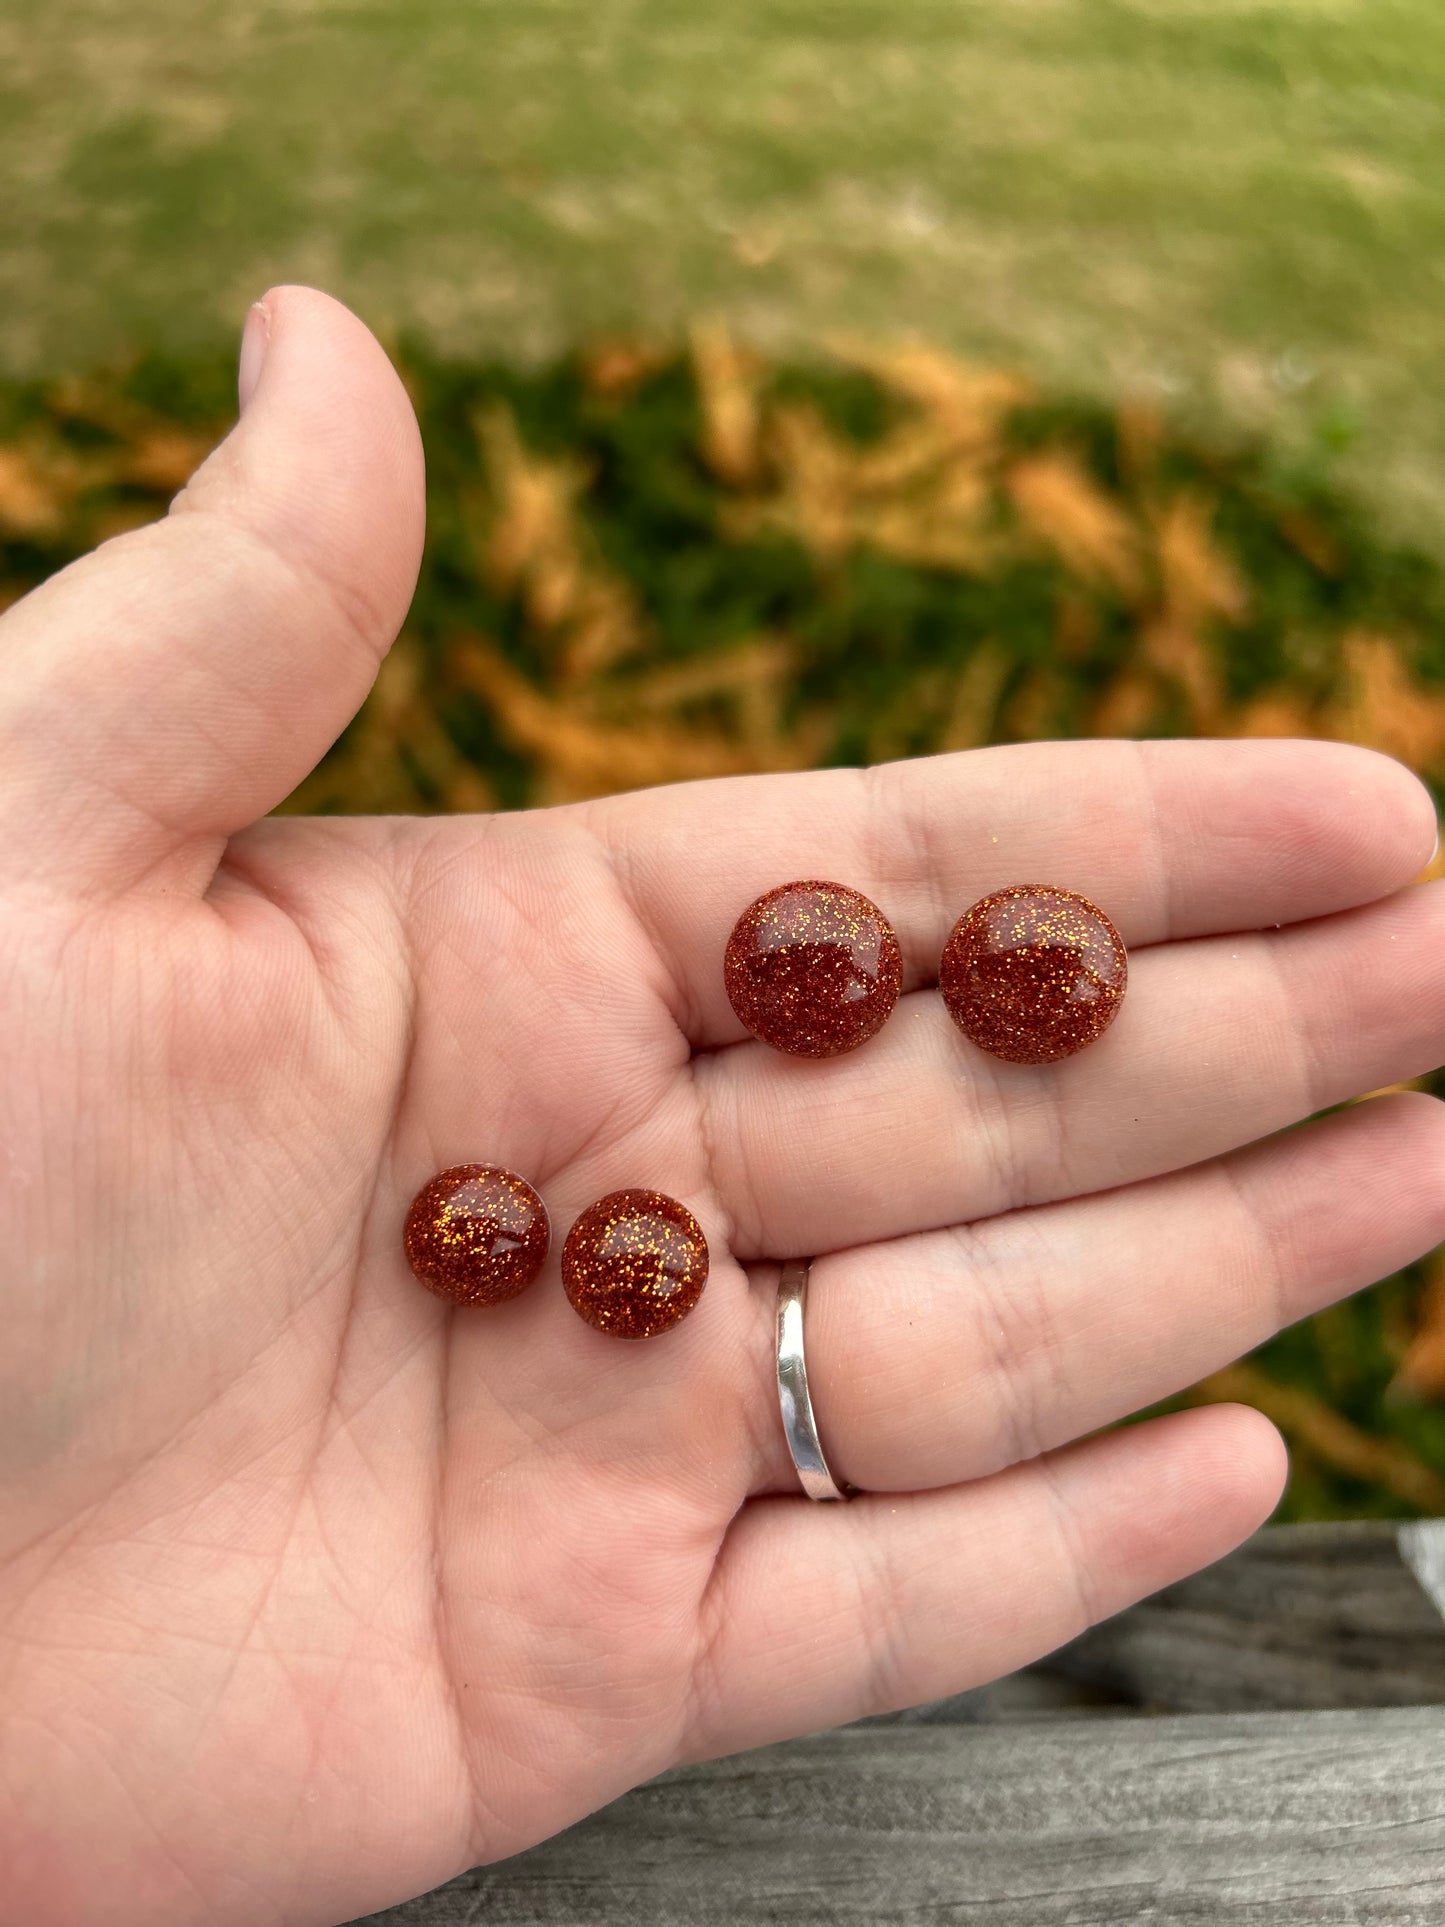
[{"x": 314, "y": 1590}]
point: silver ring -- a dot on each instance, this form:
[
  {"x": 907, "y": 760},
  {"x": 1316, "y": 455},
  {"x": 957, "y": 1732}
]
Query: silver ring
[{"x": 800, "y": 1428}]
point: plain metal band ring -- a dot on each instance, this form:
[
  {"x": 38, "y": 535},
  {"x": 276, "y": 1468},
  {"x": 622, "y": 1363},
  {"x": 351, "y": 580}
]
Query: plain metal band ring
[{"x": 800, "y": 1428}]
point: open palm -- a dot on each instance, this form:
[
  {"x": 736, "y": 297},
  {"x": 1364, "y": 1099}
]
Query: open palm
[{"x": 314, "y": 1590}]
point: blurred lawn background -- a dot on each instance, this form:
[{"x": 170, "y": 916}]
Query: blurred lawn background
[{"x": 803, "y": 382}]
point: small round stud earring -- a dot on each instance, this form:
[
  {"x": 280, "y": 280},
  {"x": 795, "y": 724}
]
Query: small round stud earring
[
  {"x": 1033, "y": 973},
  {"x": 635, "y": 1263},
  {"x": 813, "y": 969},
  {"x": 477, "y": 1234}
]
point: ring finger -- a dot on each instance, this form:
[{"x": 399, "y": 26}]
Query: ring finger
[{"x": 949, "y": 1355}]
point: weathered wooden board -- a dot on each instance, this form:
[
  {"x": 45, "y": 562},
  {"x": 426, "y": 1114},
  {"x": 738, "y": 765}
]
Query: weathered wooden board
[
  {"x": 1301, "y": 1616},
  {"x": 1244, "y": 1820}
]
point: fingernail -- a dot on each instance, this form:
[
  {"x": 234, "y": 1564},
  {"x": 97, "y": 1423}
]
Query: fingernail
[{"x": 254, "y": 337}]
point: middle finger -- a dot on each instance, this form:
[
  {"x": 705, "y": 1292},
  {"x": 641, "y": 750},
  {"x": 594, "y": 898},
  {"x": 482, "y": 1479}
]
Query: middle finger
[{"x": 950, "y": 1355}]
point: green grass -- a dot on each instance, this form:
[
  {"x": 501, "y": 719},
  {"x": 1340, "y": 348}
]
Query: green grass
[{"x": 1237, "y": 205}]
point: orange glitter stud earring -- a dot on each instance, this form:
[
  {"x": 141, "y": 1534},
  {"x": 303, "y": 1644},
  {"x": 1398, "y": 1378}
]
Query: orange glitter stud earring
[
  {"x": 813, "y": 969},
  {"x": 477, "y": 1234},
  {"x": 635, "y": 1263},
  {"x": 1033, "y": 973}
]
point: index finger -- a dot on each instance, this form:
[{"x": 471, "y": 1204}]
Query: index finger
[{"x": 1171, "y": 839}]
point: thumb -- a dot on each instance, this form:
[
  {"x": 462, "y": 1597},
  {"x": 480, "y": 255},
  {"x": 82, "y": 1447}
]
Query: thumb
[{"x": 168, "y": 689}]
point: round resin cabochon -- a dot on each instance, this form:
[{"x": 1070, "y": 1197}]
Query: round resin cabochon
[
  {"x": 1033, "y": 973},
  {"x": 813, "y": 968},
  {"x": 635, "y": 1263},
  {"x": 476, "y": 1234}
]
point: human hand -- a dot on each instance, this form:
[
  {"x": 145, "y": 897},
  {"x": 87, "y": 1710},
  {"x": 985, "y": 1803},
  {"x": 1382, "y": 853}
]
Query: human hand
[{"x": 314, "y": 1590}]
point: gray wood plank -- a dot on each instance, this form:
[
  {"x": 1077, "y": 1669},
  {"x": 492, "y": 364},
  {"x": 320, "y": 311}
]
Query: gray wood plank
[
  {"x": 1324, "y": 1819},
  {"x": 1300, "y": 1616}
]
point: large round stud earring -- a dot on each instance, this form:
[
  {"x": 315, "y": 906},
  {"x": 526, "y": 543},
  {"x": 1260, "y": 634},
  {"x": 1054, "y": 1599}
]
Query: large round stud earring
[
  {"x": 477, "y": 1234},
  {"x": 634, "y": 1263},
  {"x": 1033, "y": 973},
  {"x": 813, "y": 968}
]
